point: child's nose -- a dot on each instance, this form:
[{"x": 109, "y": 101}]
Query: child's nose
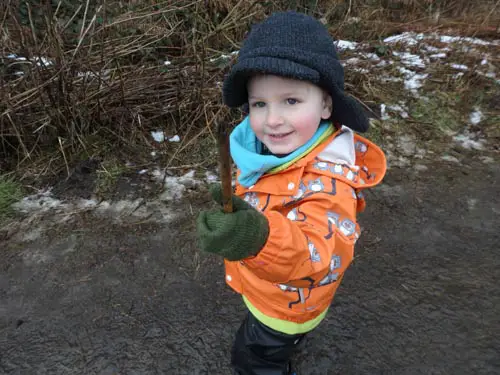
[{"x": 274, "y": 118}]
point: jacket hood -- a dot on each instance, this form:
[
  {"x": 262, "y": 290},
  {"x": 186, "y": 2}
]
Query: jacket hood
[{"x": 353, "y": 159}]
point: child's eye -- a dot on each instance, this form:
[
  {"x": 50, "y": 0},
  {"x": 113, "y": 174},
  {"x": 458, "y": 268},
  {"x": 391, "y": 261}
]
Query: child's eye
[
  {"x": 292, "y": 101},
  {"x": 258, "y": 104}
]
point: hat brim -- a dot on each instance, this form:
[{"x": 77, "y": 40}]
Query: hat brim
[
  {"x": 346, "y": 110},
  {"x": 235, "y": 91}
]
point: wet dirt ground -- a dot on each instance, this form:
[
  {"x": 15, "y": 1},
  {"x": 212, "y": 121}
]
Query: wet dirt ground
[{"x": 95, "y": 297}]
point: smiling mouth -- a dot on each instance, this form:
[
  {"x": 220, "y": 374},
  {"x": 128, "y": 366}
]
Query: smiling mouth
[{"x": 278, "y": 136}]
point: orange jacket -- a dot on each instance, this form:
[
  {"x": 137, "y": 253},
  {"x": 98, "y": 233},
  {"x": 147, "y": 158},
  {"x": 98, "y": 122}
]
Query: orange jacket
[{"x": 311, "y": 207}]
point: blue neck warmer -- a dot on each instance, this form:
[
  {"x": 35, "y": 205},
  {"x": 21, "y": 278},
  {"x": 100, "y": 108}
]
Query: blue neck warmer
[{"x": 246, "y": 152}]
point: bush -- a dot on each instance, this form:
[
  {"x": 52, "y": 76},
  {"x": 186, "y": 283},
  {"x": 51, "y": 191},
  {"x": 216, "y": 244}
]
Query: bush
[{"x": 76, "y": 73}]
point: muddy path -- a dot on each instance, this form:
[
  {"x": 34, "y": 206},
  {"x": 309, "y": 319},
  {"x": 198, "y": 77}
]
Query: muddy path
[{"x": 94, "y": 297}]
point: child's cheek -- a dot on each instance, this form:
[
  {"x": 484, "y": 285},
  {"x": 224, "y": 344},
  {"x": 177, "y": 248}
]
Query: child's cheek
[
  {"x": 256, "y": 124},
  {"x": 307, "y": 123}
]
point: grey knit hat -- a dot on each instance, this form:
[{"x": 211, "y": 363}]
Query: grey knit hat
[{"x": 294, "y": 45}]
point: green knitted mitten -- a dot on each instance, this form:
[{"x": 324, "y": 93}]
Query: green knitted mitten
[{"x": 235, "y": 235}]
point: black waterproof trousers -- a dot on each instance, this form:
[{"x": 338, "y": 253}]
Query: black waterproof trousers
[{"x": 260, "y": 350}]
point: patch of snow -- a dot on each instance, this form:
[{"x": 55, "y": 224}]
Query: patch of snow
[
  {"x": 43, "y": 61},
  {"x": 86, "y": 74},
  {"x": 352, "y": 61},
  {"x": 39, "y": 60},
  {"x": 466, "y": 141},
  {"x": 440, "y": 55},
  {"x": 450, "y": 158},
  {"x": 343, "y": 45},
  {"x": 142, "y": 171},
  {"x": 492, "y": 75},
  {"x": 166, "y": 62},
  {"x": 390, "y": 79},
  {"x": 361, "y": 70},
  {"x": 121, "y": 207},
  {"x": 32, "y": 235},
  {"x": 410, "y": 59},
  {"x": 174, "y": 187},
  {"x": 211, "y": 177},
  {"x": 477, "y": 41},
  {"x": 158, "y": 136},
  {"x": 175, "y": 138},
  {"x": 42, "y": 202},
  {"x": 400, "y": 109},
  {"x": 459, "y": 66},
  {"x": 383, "y": 113},
  {"x": 104, "y": 74},
  {"x": 13, "y": 56},
  {"x": 487, "y": 159},
  {"x": 224, "y": 57},
  {"x": 383, "y": 63},
  {"x": 87, "y": 203},
  {"x": 413, "y": 81},
  {"x": 371, "y": 56},
  {"x": 476, "y": 117},
  {"x": 484, "y": 61},
  {"x": 153, "y": 153},
  {"x": 430, "y": 48},
  {"x": 409, "y": 38}
]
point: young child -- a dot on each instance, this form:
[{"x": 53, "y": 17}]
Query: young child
[{"x": 301, "y": 170}]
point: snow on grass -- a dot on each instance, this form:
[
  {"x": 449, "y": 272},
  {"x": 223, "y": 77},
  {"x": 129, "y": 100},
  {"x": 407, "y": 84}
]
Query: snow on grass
[
  {"x": 15, "y": 57},
  {"x": 211, "y": 177},
  {"x": 352, "y": 61},
  {"x": 476, "y": 117},
  {"x": 174, "y": 189},
  {"x": 39, "y": 202},
  {"x": 43, "y": 61},
  {"x": 413, "y": 80},
  {"x": 409, "y": 59},
  {"x": 466, "y": 140},
  {"x": 343, "y": 45},
  {"x": 383, "y": 114},
  {"x": 39, "y": 60},
  {"x": 223, "y": 57},
  {"x": 411, "y": 38},
  {"x": 459, "y": 66},
  {"x": 399, "y": 109},
  {"x": 408, "y": 38},
  {"x": 440, "y": 55},
  {"x": 159, "y": 136},
  {"x": 450, "y": 159},
  {"x": 458, "y": 39}
]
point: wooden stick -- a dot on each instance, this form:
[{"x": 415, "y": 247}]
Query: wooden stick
[{"x": 225, "y": 167}]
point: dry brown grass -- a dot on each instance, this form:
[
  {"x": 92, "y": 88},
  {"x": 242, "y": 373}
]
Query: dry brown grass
[{"x": 108, "y": 85}]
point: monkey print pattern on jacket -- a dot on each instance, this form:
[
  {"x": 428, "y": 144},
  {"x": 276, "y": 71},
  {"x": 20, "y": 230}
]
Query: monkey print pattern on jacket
[{"x": 311, "y": 207}]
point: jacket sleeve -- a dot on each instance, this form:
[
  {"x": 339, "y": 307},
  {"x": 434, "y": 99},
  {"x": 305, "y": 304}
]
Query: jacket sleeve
[{"x": 297, "y": 249}]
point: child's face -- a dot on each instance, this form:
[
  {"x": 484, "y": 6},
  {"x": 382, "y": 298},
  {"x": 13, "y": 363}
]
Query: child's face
[{"x": 285, "y": 113}]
